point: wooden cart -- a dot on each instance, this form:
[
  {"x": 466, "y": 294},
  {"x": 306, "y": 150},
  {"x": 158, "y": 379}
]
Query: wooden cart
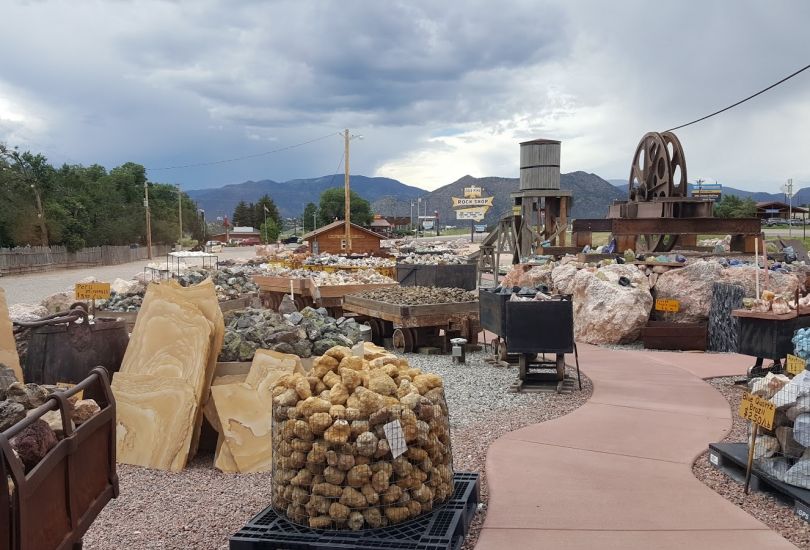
[
  {"x": 273, "y": 288},
  {"x": 129, "y": 317},
  {"x": 413, "y": 326}
]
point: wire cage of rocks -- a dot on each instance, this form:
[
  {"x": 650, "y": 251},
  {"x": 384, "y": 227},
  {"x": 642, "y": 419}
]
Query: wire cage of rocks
[
  {"x": 361, "y": 442},
  {"x": 783, "y": 452}
]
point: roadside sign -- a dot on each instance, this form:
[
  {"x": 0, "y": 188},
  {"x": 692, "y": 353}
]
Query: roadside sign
[
  {"x": 758, "y": 410},
  {"x": 795, "y": 365},
  {"x": 476, "y": 213},
  {"x": 664, "y": 304},
  {"x": 92, "y": 291},
  {"x": 480, "y": 228},
  {"x": 478, "y": 201}
]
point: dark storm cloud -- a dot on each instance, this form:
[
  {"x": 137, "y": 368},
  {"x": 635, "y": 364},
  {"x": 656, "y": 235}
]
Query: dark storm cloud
[{"x": 440, "y": 89}]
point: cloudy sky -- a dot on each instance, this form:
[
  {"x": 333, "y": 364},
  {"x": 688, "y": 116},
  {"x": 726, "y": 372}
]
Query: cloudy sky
[{"x": 437, "y": 89}]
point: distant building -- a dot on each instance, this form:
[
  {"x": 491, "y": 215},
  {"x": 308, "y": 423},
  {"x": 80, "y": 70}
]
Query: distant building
[
  {"x": 399, "y": 222},
  {"x": 237, "y": 233},
  {"x": 380, "y": 225},
  {"x": 776, "y": 209},
  {"x": 331, "y": 238}
]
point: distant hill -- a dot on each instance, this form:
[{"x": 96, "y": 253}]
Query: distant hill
[
  {"x": 291, "y": 196},
  {"x": 592, "y": 195},
  {"x": 802, "y": 196}
]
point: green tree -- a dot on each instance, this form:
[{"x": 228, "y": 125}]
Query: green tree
[
  {"x": 730, "y": 206},
  {"x": 242, "y": 215},
  {"x": 28, "y": 174},
  {"x": 270, "y": 231},
  {"x": 333, "y": 203},
  {"x": 310, "y": 210},
  {"x": 259, "y": 211}
]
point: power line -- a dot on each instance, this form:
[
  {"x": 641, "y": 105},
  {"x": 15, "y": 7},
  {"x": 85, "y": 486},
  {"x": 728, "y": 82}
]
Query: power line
[
  {"x": 774, "y": 85},
  {"x": 246, "y": 157}
]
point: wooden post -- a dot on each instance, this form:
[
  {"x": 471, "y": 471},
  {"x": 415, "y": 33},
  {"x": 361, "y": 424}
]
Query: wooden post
[
  {"x": 347, "y": 206},
  {"x": 563, "y": 219},
  {"x": 751, "y": 444}
]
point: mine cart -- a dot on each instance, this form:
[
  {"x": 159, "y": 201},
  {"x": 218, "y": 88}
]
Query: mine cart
[
  {"x": 768, "y": 335},
  {"x": 273, "y": 288},
  {"x": 53, "y": 505},
  {"x": 60, "y": 349},
  {"x": 531, "y": 329},
  {"x": 413, "y": 326},
  {"x": 451, "y": 276}
]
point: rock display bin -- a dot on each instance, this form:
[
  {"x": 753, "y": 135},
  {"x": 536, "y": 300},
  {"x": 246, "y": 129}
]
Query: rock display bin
[
  {"x": 52, "y": 503},
  {"x": 361, "y": 442}
]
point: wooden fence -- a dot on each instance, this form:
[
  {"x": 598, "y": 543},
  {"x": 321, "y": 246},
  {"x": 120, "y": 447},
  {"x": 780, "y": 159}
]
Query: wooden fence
[{"x": 44, "y": 258}]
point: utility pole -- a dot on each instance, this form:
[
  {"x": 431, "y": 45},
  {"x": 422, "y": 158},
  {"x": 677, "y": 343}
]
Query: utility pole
[
  {"x": 789, "y": 192},
  {"x": 347, "y": 199},
  {"x": 148, "y": 220},
  {"x": 180, "y": 211}
]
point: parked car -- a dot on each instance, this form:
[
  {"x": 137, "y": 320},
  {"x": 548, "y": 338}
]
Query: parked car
[{"x": 250, "y": 241}]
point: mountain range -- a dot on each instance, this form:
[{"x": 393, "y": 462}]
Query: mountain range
[
  {"x": 390, "y": 197},
  {"x": 802, "y": 196}
]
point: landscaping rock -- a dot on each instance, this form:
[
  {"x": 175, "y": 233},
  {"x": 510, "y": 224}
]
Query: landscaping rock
[
  {"x": 10, "y": 413},
  {"x": 33, "y": 443},
  {"x": 691, "y": 286},
  {"x": 83, "y": 410},
  {"x": 606, "y": 312}
]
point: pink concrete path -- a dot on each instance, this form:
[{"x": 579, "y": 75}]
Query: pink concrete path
[{"x": 616, "y": 473}]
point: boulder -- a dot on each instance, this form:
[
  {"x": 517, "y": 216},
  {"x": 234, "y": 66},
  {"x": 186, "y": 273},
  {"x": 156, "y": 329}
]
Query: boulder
[
  {"x": 33, "y": 443},
  {"x": 562, "y": 278},
  {"x": 606, "y": 312},
  {"x": 26, "y": 312},
  {"x": 799, "y": 474},
  {"x": 765, "y": 447},
  {"x": 790, "y": 447},
  {"x": 287, "y": 305},
  {"x": 691, "y": 286},
  {"x": 778, "y": 283},
  {"x": 61, "y": 301}
]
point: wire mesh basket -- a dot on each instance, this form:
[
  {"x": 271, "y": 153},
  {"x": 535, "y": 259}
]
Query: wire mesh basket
[
  {"x": 360, "y": 443},
  {"x": 783, "y": 450}
]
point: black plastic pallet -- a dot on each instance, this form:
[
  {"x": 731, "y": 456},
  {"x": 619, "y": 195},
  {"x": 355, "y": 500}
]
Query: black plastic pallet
[
  {"x": 732, "y": 459},
  {"x": 444, "y": 528}
]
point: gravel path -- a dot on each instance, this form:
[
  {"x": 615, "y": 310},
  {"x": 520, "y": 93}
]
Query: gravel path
[
  {"x": 31, "y": 288},
  {"x": 763, "y": 506},
  {"x": 200, "y": 506}
]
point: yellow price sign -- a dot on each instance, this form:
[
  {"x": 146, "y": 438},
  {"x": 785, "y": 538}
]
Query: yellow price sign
[
  {"x": 92, "y": 291},
  {"x": 795, "y": 365},
  {"x": 758, "y": 410},
  {"x": 516, "y": 210},
  {"x": 664, "y": 304}
]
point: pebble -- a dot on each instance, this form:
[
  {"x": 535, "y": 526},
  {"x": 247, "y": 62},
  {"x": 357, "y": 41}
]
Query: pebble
[{"x": 420, "y": 295}]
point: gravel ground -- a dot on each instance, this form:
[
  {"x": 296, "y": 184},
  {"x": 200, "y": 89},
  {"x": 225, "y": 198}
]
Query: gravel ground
[
  {"x": 763, "y": 506},
  {"x": 200, "y": 506},
  {"x": 31, "y": 288}
]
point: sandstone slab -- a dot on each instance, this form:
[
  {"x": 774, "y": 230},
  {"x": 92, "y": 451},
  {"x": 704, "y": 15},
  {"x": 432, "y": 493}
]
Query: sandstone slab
[
  {"x": 155, "y": 420},
  {"x": 8, "y": 348}
]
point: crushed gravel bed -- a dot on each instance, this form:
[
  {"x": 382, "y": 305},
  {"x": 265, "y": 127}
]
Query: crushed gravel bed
[
  {"x": 200, "y": 506},
  {"x": 763, "y": 506}
]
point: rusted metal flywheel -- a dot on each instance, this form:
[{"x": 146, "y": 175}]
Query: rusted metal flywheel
[{"x": 658, "y": 173}]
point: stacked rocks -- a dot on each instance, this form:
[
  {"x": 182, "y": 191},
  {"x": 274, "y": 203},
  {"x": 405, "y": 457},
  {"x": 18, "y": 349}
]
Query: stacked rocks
[
  {"x": 36, "y": 440},
  {"x": 230, "y": 282},
  {"x": 349, "y": 261},
  {"x": 305, "y": 333},
  {"x": 363, "y": 441},
  {"x": 420, "y": 295}
]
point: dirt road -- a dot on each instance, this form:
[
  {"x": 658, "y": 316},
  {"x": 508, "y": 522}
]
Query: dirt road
[{"x": 32, "y": 287}]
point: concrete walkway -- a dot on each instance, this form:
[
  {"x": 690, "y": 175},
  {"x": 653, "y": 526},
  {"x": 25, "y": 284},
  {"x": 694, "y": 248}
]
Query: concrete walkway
[{"x": 616, "y": 473}]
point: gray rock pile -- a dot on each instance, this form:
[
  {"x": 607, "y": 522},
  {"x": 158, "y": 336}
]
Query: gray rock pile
[
  {"x": 349, "y": 261},
  {"x": 307, "y": 333},
  {"x": 230, "y": 282},
  {"x": 420, "y": 295}
]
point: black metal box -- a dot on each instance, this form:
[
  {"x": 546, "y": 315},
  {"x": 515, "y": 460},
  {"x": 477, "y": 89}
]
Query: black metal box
[
  {"x": 540, "y": 327},
  {"x": 449, "y": 276}
]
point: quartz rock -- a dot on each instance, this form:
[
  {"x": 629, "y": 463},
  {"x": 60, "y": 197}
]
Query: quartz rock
[
  {"x": 799, "y": 474},
  {"x": 766, "y": 446},
  {"x": 607, "y": 313},
  {"x": 54, "y": 421},
  {"x": 692, "y": 287}
]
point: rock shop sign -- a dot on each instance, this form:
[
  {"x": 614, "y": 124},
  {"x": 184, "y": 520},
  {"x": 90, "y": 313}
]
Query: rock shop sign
[{"x": 472, "y": 206}]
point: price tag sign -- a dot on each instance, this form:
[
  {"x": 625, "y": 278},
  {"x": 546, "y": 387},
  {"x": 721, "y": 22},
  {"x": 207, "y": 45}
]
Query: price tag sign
[
  {"x": 92, "y": 291},
  {"x": 395, "y": 437},
  {"x": 758, "y": 410},
  {"x": 664, "y": 304},
  {"x": 795, "y": 365}
]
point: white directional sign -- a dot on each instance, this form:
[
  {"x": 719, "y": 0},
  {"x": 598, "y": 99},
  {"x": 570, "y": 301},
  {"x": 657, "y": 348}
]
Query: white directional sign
[{"x": 476, "y": 214}]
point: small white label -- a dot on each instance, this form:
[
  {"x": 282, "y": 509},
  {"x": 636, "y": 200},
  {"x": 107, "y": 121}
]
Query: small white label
[
  {"x": 395, "y": 437},
  {"x": 714, "y": 459},
  {"x": 801, "y": 511}
]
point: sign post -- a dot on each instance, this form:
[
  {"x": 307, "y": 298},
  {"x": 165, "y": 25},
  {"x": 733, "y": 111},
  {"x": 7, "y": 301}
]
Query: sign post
[
  {"x": 473, "y": 206},
  {"x": 760, "y": 412}
]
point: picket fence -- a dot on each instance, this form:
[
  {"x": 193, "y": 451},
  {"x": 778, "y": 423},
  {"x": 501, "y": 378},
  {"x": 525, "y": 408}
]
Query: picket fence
[{"x": 26, "y": 259}]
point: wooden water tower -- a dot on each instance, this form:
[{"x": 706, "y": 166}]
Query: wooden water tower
[{"x": 540, "y": 202}]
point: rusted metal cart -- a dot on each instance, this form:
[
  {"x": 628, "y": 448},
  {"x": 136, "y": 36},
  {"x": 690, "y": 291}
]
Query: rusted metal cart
[
  {"x": 768, "y": 336},
  {"x": 413, "y": 326},
  {"x": 531, "y": 329},
  {"x": 52, "y": 506},
  {"x": 307, "y": 293}
]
